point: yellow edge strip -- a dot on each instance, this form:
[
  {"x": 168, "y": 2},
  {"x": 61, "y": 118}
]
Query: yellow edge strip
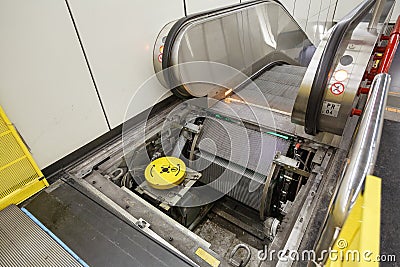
[
  {"x": 361, "y": 231},
  {"x": 23, "y": 193},
  {"x": 393, "y": 109},
  {"x": 207, "y": 257},
  {"x": 370, "y": 227}
]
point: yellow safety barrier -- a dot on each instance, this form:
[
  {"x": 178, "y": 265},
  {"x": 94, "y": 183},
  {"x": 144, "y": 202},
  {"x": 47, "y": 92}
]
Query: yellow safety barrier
[
  {"x": 358, "y": 240},
  {"x": 20, "y": 177}
]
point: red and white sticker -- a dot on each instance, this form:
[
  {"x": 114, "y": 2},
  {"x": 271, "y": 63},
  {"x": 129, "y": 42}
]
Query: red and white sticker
[
  {"x": 337, "y": 88},
  {"x": 160, "y": 57}
]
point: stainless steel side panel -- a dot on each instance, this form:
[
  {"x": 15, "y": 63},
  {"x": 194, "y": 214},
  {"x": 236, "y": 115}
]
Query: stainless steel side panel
[
  {"x": 359, "y": 45},
  {"x": 245, "y": 39},
  {"x": 352, "y": 57}
]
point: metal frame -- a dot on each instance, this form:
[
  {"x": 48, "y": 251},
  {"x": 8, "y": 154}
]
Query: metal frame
[
  {"x": 360, "y": 164},
  {"x": 365, "y": 148}
]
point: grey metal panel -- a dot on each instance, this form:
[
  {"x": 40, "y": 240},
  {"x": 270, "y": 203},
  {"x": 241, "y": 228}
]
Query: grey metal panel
[
  {"x": 94, "y": 229},
  {"x": 24, "y": 243},
  {"x": 242, "y": 38}
]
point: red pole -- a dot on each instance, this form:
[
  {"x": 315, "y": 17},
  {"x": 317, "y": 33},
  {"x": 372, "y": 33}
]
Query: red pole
[{"x": 391, "y": 48}]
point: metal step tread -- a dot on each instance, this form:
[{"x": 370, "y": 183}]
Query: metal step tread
[
  {"x": 24, "y": 243},
  {"x": 276, "y": 88}
]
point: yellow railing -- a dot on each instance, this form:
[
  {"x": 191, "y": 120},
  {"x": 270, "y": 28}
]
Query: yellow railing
[
  {"x": 20, "y": 177},
  {"x": 358, "y": 240}
]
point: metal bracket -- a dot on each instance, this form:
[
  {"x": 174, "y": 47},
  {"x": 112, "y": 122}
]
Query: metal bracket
[
  {"x": 271, "y": 226},
  {"x": 289, "y": 164},
  {"x": 191, "y": 127},
  {"x": 242, "y": 262}
]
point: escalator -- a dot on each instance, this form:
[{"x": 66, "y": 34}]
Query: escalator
[{"x": 256, "y": 130}]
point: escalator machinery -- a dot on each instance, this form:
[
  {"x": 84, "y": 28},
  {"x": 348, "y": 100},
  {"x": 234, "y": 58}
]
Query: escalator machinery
[{"x": 230, "y": 157}]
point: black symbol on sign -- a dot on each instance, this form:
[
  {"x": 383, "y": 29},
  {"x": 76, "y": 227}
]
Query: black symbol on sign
[
  {"x": 169, "y": 169},
  {"x": 337, "y": 88},
  {"x": 330, "y": 108}
]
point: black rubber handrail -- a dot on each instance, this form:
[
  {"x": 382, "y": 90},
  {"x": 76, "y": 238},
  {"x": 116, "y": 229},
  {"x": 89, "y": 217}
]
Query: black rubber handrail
[
  {"x": 177, "y": 27},
  {"x": 324, "y": 68}
]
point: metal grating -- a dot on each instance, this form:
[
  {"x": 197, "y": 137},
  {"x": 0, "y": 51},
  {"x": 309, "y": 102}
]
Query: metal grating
[
  {"x": 17, "y": 169},
  {"x": 240, "y": 153},
  {"x": 24, "y": 243},
  {"x": 3, "y": 126},
  {"x": 290, "y": 69},
  {"x": 247, "y": 154},
  {"x": 20, "y": 177},
  {"x": 7, "y": 149},
  {"x": 245, "y": 181},
  {"x": 277, "y": 88}
]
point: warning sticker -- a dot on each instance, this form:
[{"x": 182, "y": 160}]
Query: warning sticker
[
  {"x": 207, "y": 257},
  {"x": 330, "y": 109},
  {"x": 337, "y": 88}
]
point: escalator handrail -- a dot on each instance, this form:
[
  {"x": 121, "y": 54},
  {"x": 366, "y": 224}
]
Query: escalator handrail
[
  {"x": 177, "y": 27},
  {"x": 324, "y": 68}
]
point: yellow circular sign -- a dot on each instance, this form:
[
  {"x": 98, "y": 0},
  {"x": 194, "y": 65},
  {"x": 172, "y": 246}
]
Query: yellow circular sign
[{"x": 165, "y": 172}]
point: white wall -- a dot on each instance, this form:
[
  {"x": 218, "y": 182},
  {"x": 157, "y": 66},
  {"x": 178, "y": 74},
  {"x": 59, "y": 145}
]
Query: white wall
[
  {"x": 118, "y": 37},
  {"x": 45, "y": 86},
  {"x": 314, "y": 16},
  {"x": 289, "y": 4},
  {"x": 345, "y": 6},
  {"x": 194, "y": 6}
]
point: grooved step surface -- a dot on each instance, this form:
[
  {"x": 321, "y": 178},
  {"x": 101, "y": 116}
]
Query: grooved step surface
[
  {"x": 24, "y": 243},
  {"x": 276, "y": 88}
]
